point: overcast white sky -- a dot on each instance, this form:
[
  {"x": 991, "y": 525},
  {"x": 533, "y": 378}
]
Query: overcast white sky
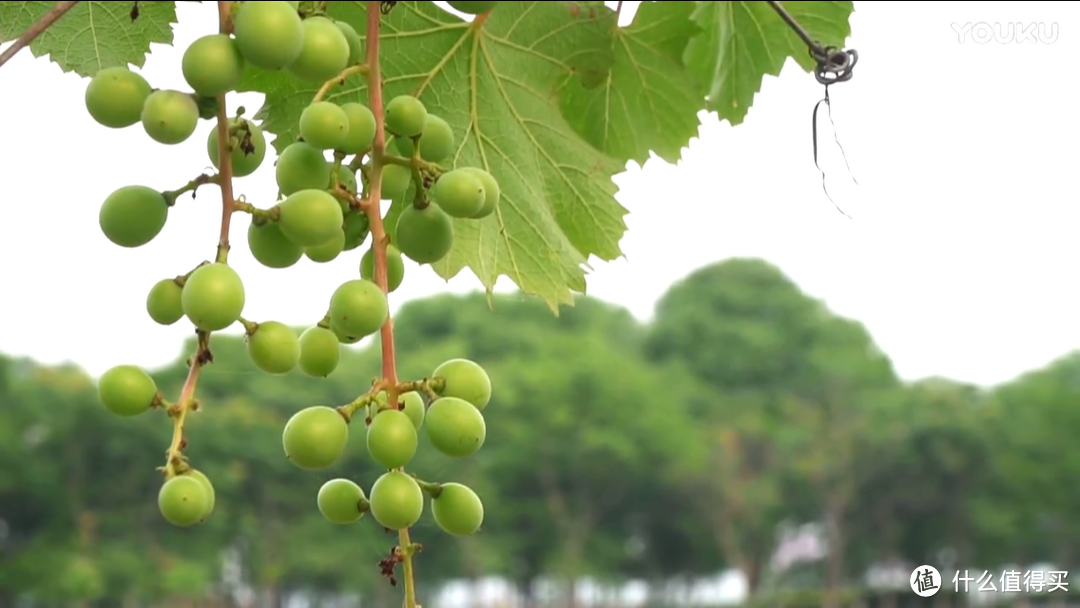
[{"x": 960, "y": 257}]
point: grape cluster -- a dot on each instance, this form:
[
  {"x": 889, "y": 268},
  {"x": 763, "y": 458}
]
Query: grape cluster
[{"x": 330, "y": 183}]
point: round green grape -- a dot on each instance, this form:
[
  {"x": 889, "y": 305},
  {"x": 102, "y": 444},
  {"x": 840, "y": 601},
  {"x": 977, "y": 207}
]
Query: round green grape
[
  {"x": 459, "y": 193},
  {"x": 270, "y": 247},
  {"x": 170, "y": 117},
  {"x": 133, "y": 216},
  {"x": 392, "y": 439},
  {"x": 315, "y": 437},
  {"x": 425, "y": 235},
  {"x": 455, "y": 427},
  {"x": 343, "y": 336},
  {"x": 395, "y": 181},
  {"x": 325, "y": 52},
  {"x": 346, "y": 179},
  {"x": 339, "y": 501},
  {"x": 324, "y": 125},
  {"x": 492, "y": 192},
  {"x": 395, "y": 267},
  {"x": 436, "y": 143},
  {"x": 328, "y": 251},
  {"x": 396, "y": 501},
  {"x": 466, "y": 380},
  {"x": 212, "y": 64},
  {"x": 207, "y": 487},
  {"x": 361, "y": 128},
  {"x": 458, "y": 510},
  {"x": 183, "y": 501},
  {"x": 310, "y": 217},
  {"x": 356, "y": 229},
  {"x": 163, "y": 302},
  {"x": 414, "y": 408},
  {"x": 248, "y": 147},
  {"x": 356, "y": 44},
  {"x": 405, "y": 116},
  {"x": 127, "y": 390},
  {"x": 213, "y": 297},
  {"x": 359, "y": 307},
  {"x": 270, "y": 34},
  {"x": 115, "y": 97},
  {"x": 301, "y": 166},
  {"x": 274, "y": 347},
  {"x": 320, "y": 352},
  {"x": 472, "y": 7}
]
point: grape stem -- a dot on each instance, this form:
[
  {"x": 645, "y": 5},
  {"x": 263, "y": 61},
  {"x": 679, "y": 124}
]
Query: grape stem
[
  {"x": 36, "y": 29},
  {"x": 191, "y": 186},
  {"x": 339, "y": 80}
]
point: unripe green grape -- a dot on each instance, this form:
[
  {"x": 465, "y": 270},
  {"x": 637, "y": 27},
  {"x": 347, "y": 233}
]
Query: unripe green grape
[
  {"x": 325, "y": 52},
  {"x": 270, "y": 247},
  {"x": 392, "y": 439},
  {"x": 339, "y": 501},
  {"x": 212, "y": 64},
  {"x": 310, "y": 217},
  {"x": 414, "y": 408},
  {"x": 472, "y": 7},
  {"x": 425, "y": 235},
  {"x": 328, "y": 251},
  {"x": 395, "y": 267},
  {"x": 459, "y": 193},
  {"x": 169, "y": 117},
  {"x": 324, "y": 125},
  {"x": 320, "y": 352},
  {"x": 133, "y": 216},
  {"x": 492, "y": 192},
  {"x": 405, "y": 116},
  {"x": 395, "y": 181},
  {"x": 347, "y": 180},
  {"x": 301, "y": 166},
  {"x": 396, "y": 501},
  {"x": 183, "y": 501},
  {"x": 213, "y": 297},
  {"x": 163, "y": 302},
  {"x": 361, "y": 128},
  {"x": 274, "y": 347},
  {"x": 458, "y": 510},
  {"x": 207, "y": 487},
  {"x": 466, "y": 380},
  {"x": 315, "y": 437},
  {"x": 356, "y": 45},
  {"x": 343, "y": 336},
  {"x": 359, "y": 307},
  {"x": 436, "y": 143},
  {"x": 455, "y": 427},
  {"x": 115, "y": 97},
  {"x": 127, "y": 390},
  {"x": 270, "y": 34},
  {"x": 356, "y": 229},
  {"x": 244, "y": 163}
]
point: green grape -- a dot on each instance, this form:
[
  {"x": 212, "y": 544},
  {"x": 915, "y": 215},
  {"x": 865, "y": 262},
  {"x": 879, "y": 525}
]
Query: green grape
[
  {"x": 300, "y": 166},
  {"x": 320, "y": 352},
  {"x": 324, "y": 125},
  {"x": 325, "y": 52},
  {"x": 244, "y": 161},
  {"x": 455, "y": 427},
  {"x": 459, "y": 193},
  {"x": 343, "y": 336},
  {"x": 436, "y": 143},
  {"x": 405, "y": 116},
  {"x": 163, "y": 302},
  {"x": 183, "y": 501},
  {"x": 361, "y": 128},
  {"x": 425, "y": 235},
  {"x": 395, "y": 181},
  {"x": 213, "y": 297},
  {"x": 457, "y": 510},
  {"x": 315, "y": 437},
  {"x": 212, "y": 64},
  {"x": 170, "y": 117},
  {"x": 359, "y": 307},
  {"x": 466, "y": 380},
  {"x": 115, "y": 97},
  {"x": 396, "y": 501},
  {"x": 356, "y": 45},
  {"x": 339, "y": 501},
  {"x": 346, "y": 179},
  {"x": 392, "y": 439},
  {"x": 133, "y": 216},
  {"x": 270, "y": 34},
  {"x": 274, "y": 347},
  {"x": 472, "y": 7},
  {"x": 127, "y": 390},
  {"x": 270, "y": 247},
  {"x": 492, "y": 192},
  {"x": 395, "y": 267},
  {"x": 356, "y": 229},
  {"x": 207, "y": 487},
  {"x": 414, "y": 408},
  {"x": 310, "y": 217},
  {"x": 295, "y": 5},
  {"x": 328, "y": 251}
]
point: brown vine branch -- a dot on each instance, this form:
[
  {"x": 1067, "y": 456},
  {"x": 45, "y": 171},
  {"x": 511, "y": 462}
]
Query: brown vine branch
[{"x": 36, "y": 29}]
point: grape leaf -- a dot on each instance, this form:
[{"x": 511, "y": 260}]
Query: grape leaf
[
  {"x": 92, "y": 35},
  {"x": 497, "y": 83},
  {"x": 648, "y": 101},
  {"x": 742, "y": 42}
]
